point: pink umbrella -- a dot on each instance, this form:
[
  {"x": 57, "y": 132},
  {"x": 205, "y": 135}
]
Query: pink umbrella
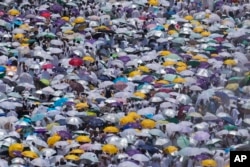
[
  {"x": 120, "y": 85},
  {"x": 86, "y": 147}
]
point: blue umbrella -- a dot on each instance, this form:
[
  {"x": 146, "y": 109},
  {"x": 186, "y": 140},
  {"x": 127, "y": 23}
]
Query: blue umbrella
[
  {"x": 223, "y": 96},
  {"x": 60, "y": 102},
  {"x": 228, "y": 120},
  {"x": 159, "y": 28},
  {"x": 2, "y": 69},
  {"x": 121, "y": 79},
  {"x": 151, "y": 149},
  {"x": 37, "y": 117},
  {"x": 96, "y": 122}
]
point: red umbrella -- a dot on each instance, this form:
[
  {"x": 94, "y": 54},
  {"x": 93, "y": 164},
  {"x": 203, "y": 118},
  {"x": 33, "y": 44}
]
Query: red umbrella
[
  {"x": 45, "y": 14},
  {"x": 76, "y": 61},
  {"x": 47, "y": 66}
]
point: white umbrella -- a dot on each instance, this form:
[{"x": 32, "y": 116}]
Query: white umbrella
[
  {"x": 60, "y": 86},
  {"x": 128, "y": 163},
  {"x": 39, "y": 162},
  {"x": 146, "y": 111},
  {"x": 48, "y": 152},
  {"x": 90, "y": 156},
  {"x": 74, "y": 121},
  {"x": 56, "y": 42},
  {"x": 140, "y": 158},
  {"x": 55, "y": 50}
]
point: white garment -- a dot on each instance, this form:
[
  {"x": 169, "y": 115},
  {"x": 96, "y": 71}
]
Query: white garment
[
  {"x": 220, "y": 161},
  {"x": 166, "y": 161}
]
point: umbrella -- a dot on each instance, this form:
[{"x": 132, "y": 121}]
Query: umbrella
[
  {"x": 72, "y": 157},
  {"x": 83, "y": 139},
  {"x": 183, "y": 142},
  {"x": 128, "y": 163},
  {"x": 30, "y": 154},
  {"x": 96, "y": 122},
  {"x": 90, "y": 157},
  {"x": 201, "y": 136},
  {"x": 39, "y": 162},
  {"x": 148, "y": 124},
  {"x": 110, "y": 149},
  {"x": 76, "y": 62},
  {"x": 111, "y": 129},
  {"x": 170, "y": 149},
  {"x": 209, "y": 162},
  {"x": 140, "y": 157}
]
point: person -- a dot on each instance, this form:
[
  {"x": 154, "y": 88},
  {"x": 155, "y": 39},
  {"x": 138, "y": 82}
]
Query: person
[
  {"x": 167, "y": 160},
  {"x": 220, "y": 160}
]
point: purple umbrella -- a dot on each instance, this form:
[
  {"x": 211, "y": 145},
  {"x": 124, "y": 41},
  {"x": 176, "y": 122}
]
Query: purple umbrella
[
  {"x": 65, "y": 135},
  {"x": 204, "y": 65},
  {"x": 56, "y": 8},
  {"x": 133, "y": 152},
  {"x": 75, "y": 12},
  {"x": 201, "y": 136},
  {"x": 202, "y": 157},
  {"x": 59, "y": 22},
  {"x": 170, "y": 70},
  {"x": 148, "y": 79},
  {"x": 124, "y": 59}
]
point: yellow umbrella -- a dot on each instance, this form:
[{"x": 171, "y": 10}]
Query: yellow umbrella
[
  {"x": 89, "y": 113},
  {"x": 13, "y": 12},
  {"x": 25, "y": 27},
  {"x": 181, "y": 64},
  {"x": 111, "y": 129},
  {"x": 182, "y": 68},
  {"x": 72, "y": 157},
  {"x": 172, "y": 32},
  {"x": 110, "y": 149},
  {"x": 189, "y": 17},
  {"x": 209, "y": 162},
  {"x": 65, "y": 18},
  {"x": 195, "y": 23},
  {"x": 203, "y": 60},
  {"x": 53, "y": 139},
  {"x": 170, "y": 149},
  {"x": 83, "y": 139},
  {"x": 153, "y": 2},
  {"x": 179, "y": 80},
  {"x": 164, "y": 53},
  {"x": 30, "y": 154},
  {"x": 51, "y": 125},
  {"x": 134, "y": 115},
  {"x": 162, "y": 82},
  {"x": 227, "y": 165},
  {"x": 148, "y": 124},
  {"x": 169, "y": 63},
  {"x": 232, "y": 86},
  {"x": 198, "y": 29},
  {"x": 197, "y": 57},
  {"x": 205, "y": 34},
  {"x": 15, "y": 147},
  {"x": 102, "y": 28},
  {"x": 140, "y": 95},
  {"x": 80, "y": 106},
  {"x": 214, "y": 55},
  {"x": 79, "y": 20},
  {"x": 68, "y": 32},
  {"x": 166, "y": 26},
  {"x": 89, "y": 59},
  {"x": 77, "y": 151},
  {"x": 127, "y": 119},
  {"x": 18, "y": 36},
  {"x": 230, "y": 62},
  {"x": 134, "y": 73},
  {"x": 143, "y": 69}
]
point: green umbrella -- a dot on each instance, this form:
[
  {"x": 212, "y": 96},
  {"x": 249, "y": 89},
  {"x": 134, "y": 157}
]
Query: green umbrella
[
  {"x": 169, "y": 77},
  {"x": 235, "y": 79},
  {"x": 193, "y": 63},
  {"x": 173, "y": 120},
  {"x": 45, "y": 82},
  {"x": 230, "y": 127},
  {"x": 2, "y": 74},
  {"x": 174, "y": 57},
  {"x": 183, "y": 142},
  {"x": 114, "y": 55},
  {"x": 210, "y": 49},
  {"x": 179, "y": 40}
]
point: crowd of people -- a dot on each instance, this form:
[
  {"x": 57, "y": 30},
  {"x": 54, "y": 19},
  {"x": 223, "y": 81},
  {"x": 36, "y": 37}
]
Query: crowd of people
[{"x": 146, "y": 83}]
